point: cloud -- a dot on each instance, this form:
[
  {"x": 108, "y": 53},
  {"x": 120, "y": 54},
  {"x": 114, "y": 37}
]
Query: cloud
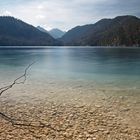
[
  {"x": 65, "y": 14},
  {"x": 40, "y": 7},
  {"x": 40, "y": 16},
  {"x": 6, "y": 13}
]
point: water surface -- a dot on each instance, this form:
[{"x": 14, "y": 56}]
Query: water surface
[{"x": 103, "y": 67}]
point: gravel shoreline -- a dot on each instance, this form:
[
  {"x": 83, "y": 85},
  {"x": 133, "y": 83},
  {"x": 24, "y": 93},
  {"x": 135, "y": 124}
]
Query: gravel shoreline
[
  {"x": 69, "y": 114},
  {"x": 66, "y": 122}
]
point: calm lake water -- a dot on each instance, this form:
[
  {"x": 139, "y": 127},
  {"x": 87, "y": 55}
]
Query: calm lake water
[{"x": 104, "y": 67}]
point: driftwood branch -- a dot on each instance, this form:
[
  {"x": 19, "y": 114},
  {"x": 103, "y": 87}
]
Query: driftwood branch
[
  {"x": 22, "y": 123},
  {"x": 16, "y": 81},
  {"x": 4, "y": 89}
]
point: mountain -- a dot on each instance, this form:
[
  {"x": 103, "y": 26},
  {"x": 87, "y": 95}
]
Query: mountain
[
  {"x": 42, "y": 29},
  {"x": 14, "y": 32},
  {"x": 56, "y": 33},
  {"x": 120, "y": 31}
]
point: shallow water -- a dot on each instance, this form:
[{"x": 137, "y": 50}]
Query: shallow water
[
  {"x": 106, "y": 77},
  {"x": 104, "y": 67}
]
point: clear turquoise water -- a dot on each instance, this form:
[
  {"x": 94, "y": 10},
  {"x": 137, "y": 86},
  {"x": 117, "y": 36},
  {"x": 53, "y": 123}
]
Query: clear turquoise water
[{"x": 113, "y": 67}]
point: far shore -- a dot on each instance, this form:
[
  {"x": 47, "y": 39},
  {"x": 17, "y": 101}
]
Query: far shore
[{"x": 53, "y": 47}]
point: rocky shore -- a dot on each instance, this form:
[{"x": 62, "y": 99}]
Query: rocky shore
[
  {"x": 52, "y": 121},
  {"x": 70, "y": 114}
]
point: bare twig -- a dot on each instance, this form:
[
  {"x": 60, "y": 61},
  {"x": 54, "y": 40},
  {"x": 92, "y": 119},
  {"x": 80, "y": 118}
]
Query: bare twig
[
  {"x": 22, "y": 123},
  {"x": 3, "y": 89}
]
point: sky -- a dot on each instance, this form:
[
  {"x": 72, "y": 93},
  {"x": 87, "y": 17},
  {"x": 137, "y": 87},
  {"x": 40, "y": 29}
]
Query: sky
[{"x": 66, "y": 14}]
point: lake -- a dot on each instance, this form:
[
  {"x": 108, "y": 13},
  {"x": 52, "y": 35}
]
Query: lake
[
  {"x": 73, "y": 89},
  {"x": 102, "y": 67}
]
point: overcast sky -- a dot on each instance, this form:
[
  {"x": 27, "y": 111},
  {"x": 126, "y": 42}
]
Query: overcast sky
[{"x": 65, "y": 14}]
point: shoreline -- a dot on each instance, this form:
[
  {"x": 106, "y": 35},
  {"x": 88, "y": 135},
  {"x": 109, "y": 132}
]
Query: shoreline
[
  {"x": 68, "y": 47},
  {"x": 74, "y": 114}
]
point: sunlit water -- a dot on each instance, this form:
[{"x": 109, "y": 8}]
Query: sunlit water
[{"x": 104, "y": 67}]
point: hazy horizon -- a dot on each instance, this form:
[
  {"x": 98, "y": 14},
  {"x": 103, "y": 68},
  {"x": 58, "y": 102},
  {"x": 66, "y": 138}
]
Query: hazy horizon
[{"x": 65, "y": 15}]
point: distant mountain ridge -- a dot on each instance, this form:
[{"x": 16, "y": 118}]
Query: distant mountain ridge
[
  {"x": 42, "y": 29},
  {"x": 56, "y": 33},
  {"x": 14, "y": 32},
  {"x": 120, "y": 31}
]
